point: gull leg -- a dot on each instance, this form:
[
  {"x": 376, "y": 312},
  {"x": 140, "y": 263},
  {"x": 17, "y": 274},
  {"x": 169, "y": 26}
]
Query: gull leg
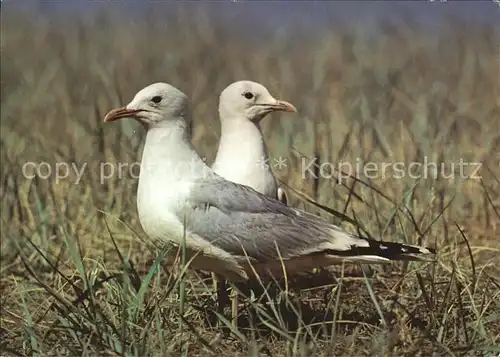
[
  {"x": 216, "y": 287},
  {"x": 214, "y": 281},
  {"x": 234, "y": 307}
]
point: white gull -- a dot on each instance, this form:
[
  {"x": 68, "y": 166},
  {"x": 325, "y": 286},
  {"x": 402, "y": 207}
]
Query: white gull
[
  {"x": 230, "y": 229},
  {"x": 242, "y": 155}
]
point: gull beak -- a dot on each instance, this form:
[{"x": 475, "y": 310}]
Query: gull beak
[
  {"x": 120, "y": 113},
  {"x": 281, "y": 105}
]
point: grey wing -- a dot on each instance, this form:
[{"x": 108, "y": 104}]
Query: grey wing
[
  {"x": 231, "y": 197},
  {"x": 242, "y": 222}
]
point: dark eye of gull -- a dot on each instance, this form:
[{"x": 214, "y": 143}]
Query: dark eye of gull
[
  {"x": 248, "y": 95},
  {"x": 156, "y": 99}
]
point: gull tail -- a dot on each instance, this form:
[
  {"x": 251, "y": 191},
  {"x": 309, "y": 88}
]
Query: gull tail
[
  {"x": 343, "y": 247},
  {"x": 361, "y": 250}
]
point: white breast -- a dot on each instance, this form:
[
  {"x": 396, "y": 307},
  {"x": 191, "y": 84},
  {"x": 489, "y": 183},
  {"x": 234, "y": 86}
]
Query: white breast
[{"x": 242, "y": 158}]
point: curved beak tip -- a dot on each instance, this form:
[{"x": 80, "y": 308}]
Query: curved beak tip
[
  {"x": 285, "y": 106},
  {"x": 119, "y": 113},
  {"x": 109, "y": 117},
  {"x": 113, "y": 114}
]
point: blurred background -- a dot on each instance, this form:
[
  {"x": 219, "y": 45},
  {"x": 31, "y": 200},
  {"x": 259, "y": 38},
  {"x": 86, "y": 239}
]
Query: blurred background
[{"x": 373, "y": 81}]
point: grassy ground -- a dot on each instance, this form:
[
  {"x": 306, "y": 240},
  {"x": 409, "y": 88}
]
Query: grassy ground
[{"x": 78, "y": 276}]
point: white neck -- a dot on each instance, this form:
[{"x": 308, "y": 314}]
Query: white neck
[
  {"x": 168, "y": 168},
  {"x": 169, "y": 164},
  {"x": 242, "y": 156},
  {"x": 168, "y": 152}
]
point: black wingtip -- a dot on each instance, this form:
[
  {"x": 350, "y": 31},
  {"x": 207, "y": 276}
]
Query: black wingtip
[{"x": 388, "y": 250}]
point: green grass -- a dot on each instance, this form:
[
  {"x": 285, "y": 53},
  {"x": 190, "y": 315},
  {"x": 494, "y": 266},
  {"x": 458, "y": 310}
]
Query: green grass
[{"x": 78, "y": 275}]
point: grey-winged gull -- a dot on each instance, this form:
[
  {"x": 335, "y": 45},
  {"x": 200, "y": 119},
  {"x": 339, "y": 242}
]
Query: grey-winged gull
[
  {"x": 230, "y": 228},
  {"x": 242, "y": 155}
]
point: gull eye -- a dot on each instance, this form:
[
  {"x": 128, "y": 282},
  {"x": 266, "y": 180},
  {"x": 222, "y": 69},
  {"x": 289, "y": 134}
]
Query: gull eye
[
  {"x": 248, "y": 95},
  {"x": 156, "y": 99}
]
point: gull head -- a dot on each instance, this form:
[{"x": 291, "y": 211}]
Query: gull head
[
  {"x": 250, "y": 101},
  {"x": 154, "y": 104}
]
